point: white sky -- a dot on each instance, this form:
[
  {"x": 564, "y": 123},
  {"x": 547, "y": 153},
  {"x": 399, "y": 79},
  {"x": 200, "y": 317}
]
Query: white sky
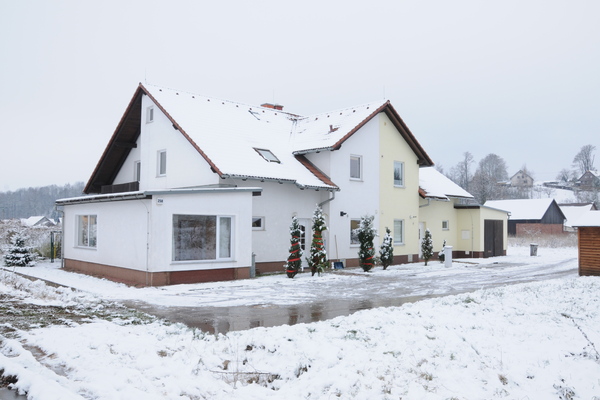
[{"x": 516, "y": 78}]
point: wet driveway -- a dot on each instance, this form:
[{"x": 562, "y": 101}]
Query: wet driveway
[{"x": 311, "y": 299}]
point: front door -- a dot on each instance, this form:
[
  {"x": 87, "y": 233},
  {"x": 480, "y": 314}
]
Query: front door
[{"x": 305, "y": 239}]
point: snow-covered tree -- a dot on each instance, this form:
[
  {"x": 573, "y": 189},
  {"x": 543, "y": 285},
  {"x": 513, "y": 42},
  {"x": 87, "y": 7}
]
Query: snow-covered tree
[
  {"x": 366, "y": 233},
  {"x": 18, "y": 254},
  {"x": 386, "y": 252},
  {"x": 295, "y": 258},
  {"x": 318, "y": 256},
  {"x": 427, "y": 246}
]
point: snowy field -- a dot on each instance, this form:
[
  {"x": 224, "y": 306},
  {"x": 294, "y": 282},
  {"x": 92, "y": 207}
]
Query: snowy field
[{"x": 537, "y": 340}]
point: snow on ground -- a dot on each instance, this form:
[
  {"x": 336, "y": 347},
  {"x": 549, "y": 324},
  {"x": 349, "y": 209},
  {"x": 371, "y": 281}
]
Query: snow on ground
[
  {"x": 525, "y": 341},
  {"x": 413, "y": 279}
]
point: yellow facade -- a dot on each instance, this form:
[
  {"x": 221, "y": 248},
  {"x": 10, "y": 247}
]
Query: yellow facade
[{"x": 398, "y": 203}]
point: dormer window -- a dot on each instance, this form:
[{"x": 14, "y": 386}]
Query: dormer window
[{"x": 267, "y": 155}]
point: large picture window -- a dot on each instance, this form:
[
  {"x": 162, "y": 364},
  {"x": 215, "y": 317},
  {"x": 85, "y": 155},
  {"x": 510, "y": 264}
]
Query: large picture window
[
  {"x": 201, "y": 237},
  {"x": 86, "y": 230}
]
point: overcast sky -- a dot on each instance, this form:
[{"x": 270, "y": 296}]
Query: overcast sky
[{"x": 520, "y": 79}]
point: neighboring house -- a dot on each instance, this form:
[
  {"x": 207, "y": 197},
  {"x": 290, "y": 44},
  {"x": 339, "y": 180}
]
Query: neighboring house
[
  {"x": 531, "y": 216},
  {"x": 450, "y": 214},
  {"x": 588, "y": 237},
  {"x": 193, "y": 189},
  {"x": 39, "y": 220},
  {"x": 521, "y": 179},
  {"x": 573, "y": 212},
  {"x": 589, "y": 180}
]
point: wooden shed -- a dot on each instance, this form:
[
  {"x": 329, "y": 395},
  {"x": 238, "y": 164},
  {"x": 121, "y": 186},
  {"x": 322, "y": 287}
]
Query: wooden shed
[{"x": 588, "y": 235}]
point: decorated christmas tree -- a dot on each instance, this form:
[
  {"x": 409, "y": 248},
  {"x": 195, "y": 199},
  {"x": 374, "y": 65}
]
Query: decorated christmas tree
[
  {"x": 366, "y": 233},
  {"x": 318, "y": 256},
  {"x": 427, "y": 246},
  {"x": 295, "y": 258},
  {"x": 18, "y": 254},
  {"x": 386, "y": 252}
]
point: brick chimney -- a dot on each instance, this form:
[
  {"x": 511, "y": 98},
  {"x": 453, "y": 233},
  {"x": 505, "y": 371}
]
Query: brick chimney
[{"x": 273, "y": 106}]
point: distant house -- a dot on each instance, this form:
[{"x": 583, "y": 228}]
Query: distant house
[
  {"x": 588, "y": 239},
  {"x": 589, "y": 180},
  {"x": 521, "y": 179},
  {"x": 39, "y": 220},
  {"x": 573, "y": 212},
  {"x": 192, "y": 189},
  {"x": 531, "y": 216}
]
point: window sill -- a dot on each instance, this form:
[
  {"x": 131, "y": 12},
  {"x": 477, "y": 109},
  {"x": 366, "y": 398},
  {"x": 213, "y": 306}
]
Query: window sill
[
  {"x": 222, "y": 260},
  {"x": 356, "y": 179},
  {"x": 86, "y": 248},
  {"x": 400, "y": 186}
]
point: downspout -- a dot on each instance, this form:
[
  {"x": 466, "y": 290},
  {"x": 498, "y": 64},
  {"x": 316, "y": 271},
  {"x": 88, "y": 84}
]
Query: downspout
[
  {"x": 147, "y": 238},
  {"x": 328, "y": 200}
]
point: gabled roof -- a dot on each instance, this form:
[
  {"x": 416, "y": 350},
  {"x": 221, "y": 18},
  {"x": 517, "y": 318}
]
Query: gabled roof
[
  {"x": 589, "y": 219},
  {"x": 573, "y": 212},
  {"x": 37, "y": 221},
  {"x": 434, "y": 184},
  {"x": 230, "y": 136},
  {"x": 520, "y": 172},
  {"x": 524, "y": 209}
]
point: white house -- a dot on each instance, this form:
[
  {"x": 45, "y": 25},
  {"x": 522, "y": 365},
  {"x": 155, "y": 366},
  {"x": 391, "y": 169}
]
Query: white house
[{"x": 189, "y": 188}]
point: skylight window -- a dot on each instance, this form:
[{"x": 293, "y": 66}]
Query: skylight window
[{"x": 267, "y": 155}]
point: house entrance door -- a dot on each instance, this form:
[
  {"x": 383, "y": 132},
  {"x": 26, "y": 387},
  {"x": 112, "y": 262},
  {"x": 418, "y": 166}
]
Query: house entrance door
[{"x": 305, "y": 239}]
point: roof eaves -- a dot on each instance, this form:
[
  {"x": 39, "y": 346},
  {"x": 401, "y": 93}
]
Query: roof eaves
[
  {"x": 113, "y": 139},
  {"x": 316, "y": 171},
  {"x": 338, "y": 144}
]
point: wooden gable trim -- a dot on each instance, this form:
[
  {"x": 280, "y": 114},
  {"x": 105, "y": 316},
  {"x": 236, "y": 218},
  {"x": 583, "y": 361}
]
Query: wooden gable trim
[
  {"x": 422, "y": 157},
  {"x": 107, "y": 169},
  {"x": 316, "y": 171},
  {"x": 176, "y": 125}
]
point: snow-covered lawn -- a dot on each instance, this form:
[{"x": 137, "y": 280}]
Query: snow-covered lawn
[{"x": 537, "y": 340}]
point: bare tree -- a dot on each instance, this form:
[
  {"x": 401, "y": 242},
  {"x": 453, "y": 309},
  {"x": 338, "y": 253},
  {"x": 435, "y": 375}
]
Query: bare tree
[
  {"x": 486, "y": 182},
  {"x": 584, "y": 160},
  {"x": 461, "y": 172},
  {"x": 564, "y": 175}
]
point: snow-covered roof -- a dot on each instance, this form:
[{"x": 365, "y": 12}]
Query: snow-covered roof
[
  {"x": 231, "y": 136},
  {"x": 437, "y": 185},
  {"x": 573, "y": 212},
  {"x": 589, "y": 218},
  {"x": 529, "y": 209},
  {"x": 36, "y": 220}
]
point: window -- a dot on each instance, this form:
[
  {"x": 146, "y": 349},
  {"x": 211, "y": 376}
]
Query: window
[
  {"x": 356, "y": 167},
  {"x": 149, "y": 114},
  {"x": 398, "y": 231},
  {"x": 137, "y": 171},
  {"x": 87, "y": 230},
  {"x": 445, "y": 225},
  {"x": 201, "y": 237},
  {"x": 162, "y": 163},
  {"x": 354, "y": 224},
  {"x": 258, "y": 223},
  {"x": 398, "y": 174},
  {"x": 267, "y": 155}
]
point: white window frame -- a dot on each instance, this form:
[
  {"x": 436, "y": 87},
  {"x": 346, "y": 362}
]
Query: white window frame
[
  {"x": 137, "y": 171},
  {"x": 399, "y": 164},
  {"x": 218, "y": 256},
  {"x": 160, "y": 171},
  {"x": 401, "y": 221},
  {"x": 261, "y": 226},
  {"x": 149, "y": 114},
  {"x": 446, "y": 225},
  {"x": 355, "y": 157},
  {"x": 86, "y": 224},
  {"x": 354, "y": 240},
  {"x": 267, "y": 155}
]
